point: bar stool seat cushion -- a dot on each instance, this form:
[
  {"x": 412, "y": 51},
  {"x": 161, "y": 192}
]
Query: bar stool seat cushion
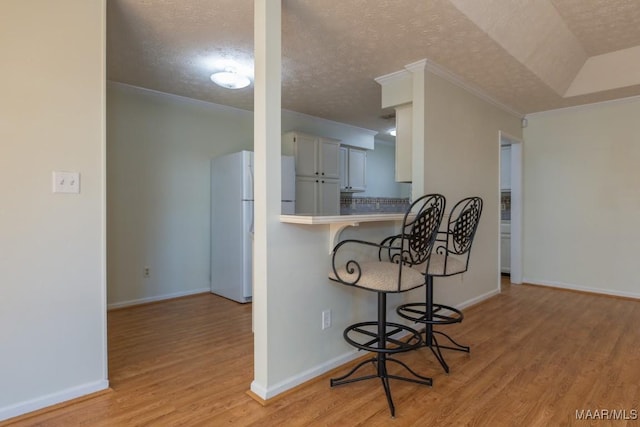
[{"x": 380, "y": 276}]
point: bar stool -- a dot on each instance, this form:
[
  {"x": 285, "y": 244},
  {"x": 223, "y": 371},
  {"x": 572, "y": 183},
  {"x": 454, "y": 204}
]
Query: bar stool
[
  {"x": 391, "y": 273},
  {"x": 450, "y": 257}
]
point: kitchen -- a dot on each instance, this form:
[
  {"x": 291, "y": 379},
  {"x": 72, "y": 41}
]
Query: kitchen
[{"x": 169, "y": 200}]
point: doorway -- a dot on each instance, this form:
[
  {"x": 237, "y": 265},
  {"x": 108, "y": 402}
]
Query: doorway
[{"x": 511, "y": 206}]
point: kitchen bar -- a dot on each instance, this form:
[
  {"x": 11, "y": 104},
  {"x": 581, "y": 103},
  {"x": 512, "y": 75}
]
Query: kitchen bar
[{"x": 337, "y": 223}]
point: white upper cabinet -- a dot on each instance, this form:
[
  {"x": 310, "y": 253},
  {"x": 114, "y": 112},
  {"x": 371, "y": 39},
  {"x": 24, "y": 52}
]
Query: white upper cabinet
[
  {"x": 315, "y": 156},
  {"x": 505, "y": 167},
  {"x": 353, "y": 169},
  {"x": 317, "y": 172}
]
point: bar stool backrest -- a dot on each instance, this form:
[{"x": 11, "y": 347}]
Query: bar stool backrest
[{"x": 461, "y": 230}]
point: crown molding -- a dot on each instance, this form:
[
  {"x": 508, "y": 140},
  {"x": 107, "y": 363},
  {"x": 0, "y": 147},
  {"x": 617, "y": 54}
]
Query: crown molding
[
  {"x": 573, "y": 108},
  {"x": 392, "y": 77},
  {"x": 441, "y": 71}
]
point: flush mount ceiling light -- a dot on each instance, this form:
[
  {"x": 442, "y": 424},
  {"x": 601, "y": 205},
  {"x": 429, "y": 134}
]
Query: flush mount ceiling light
[{"x": 230, "y": 78}]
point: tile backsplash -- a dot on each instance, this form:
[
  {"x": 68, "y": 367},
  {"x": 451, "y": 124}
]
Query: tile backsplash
[
  {"x": 505, "y": 205},
  {"x": 350, "y": 204}
]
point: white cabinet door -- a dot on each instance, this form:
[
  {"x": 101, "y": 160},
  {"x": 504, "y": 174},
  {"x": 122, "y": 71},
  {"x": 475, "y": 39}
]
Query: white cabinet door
[
  {"x": 317, "y": 196},
  {"x": 329, "y": 197},
  {"x": 344, "y": 169},
  {"x": 305, "y": 153},
  {"x": 357, "y": 170},
  {"x": 306, "y": 195},
  {"x": 329, "y": 158}
]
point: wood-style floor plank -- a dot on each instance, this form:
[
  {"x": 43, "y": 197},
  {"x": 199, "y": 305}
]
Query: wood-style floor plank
[{"x": 538, "y": 356}]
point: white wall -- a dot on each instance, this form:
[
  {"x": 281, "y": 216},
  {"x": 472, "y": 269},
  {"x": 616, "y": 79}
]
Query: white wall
[
  {"x": 581, "y": 203},
  {"x": 158, "y": 151},
  {"x": 461, "y": 158},
  {"x": 381, "y": 163},
  {"x": 52, "y": 256}
]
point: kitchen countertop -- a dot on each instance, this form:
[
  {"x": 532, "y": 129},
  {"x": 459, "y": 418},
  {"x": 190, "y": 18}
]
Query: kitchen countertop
[
  {"x": 337, "y": 223},
  {"x": 338, "y": 219}
]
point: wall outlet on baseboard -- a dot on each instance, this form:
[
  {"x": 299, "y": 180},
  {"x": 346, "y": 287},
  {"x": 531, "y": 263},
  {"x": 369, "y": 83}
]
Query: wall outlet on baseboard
[
  {"x": 326, "y": 319},
  {"x": 146, "y": 272}
]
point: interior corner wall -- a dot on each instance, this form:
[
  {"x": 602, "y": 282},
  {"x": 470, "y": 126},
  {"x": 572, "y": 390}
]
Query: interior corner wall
[
  {"x": 581, "y": 203},
  {"x": 462, "y": 151},
  {"x": 52, "y": 246},
  {"x": 159, "y": 148}
]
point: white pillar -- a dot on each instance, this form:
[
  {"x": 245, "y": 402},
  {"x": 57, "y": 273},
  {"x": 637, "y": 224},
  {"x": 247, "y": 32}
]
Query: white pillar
[{"x": 267, "y": 135}]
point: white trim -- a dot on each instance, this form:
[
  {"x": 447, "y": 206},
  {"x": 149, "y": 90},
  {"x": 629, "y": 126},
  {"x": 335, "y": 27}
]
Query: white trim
[
  {"x": 156, "y": 298},
  {"x": 478, "y": 299},
  {"x": 417, "y": 66},
  {"x": 629, "y": 99},
  {"x": 52, "y": 399},
  {"x": 103, "y": 195},
  {"x": 392, "y": 77},
  {"x": 309, "y": 374},
  {"x": 517, "y": 208},
  {"x": 441, "y": 71},
  {"x": 562, "y": 285}
]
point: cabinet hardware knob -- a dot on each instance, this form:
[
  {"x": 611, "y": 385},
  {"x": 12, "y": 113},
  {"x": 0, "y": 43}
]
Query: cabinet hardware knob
[{"x": 322, "y": 173}]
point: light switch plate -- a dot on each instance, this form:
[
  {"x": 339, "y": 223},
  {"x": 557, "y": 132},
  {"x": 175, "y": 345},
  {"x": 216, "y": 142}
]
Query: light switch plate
[{"x": 66, "y": 182}]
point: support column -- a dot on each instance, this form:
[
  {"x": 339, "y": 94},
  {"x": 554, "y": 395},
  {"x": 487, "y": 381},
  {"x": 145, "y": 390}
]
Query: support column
[{"x": 267, "y": 136}]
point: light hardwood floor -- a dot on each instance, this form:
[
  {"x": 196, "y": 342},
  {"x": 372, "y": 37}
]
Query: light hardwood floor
[{"x": 538, "y": 356}]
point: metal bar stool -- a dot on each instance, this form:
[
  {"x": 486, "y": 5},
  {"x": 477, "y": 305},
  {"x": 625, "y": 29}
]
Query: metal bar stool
[
  {"x": 450, "y": 257},
  {"x": 391, "y": 273}
]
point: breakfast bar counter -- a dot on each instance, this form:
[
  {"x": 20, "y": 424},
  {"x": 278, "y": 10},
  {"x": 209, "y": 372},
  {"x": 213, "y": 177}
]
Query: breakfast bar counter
[{"x": 337, "y": 223}]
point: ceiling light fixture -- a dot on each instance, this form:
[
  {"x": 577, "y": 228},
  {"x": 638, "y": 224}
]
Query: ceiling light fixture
[
  {"x": 392, "y": 132},
  {"x": 230, "y": 78}
]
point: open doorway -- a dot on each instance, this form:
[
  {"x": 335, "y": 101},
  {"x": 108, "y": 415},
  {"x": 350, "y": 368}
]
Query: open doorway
[{"x": 511, "y": 207}]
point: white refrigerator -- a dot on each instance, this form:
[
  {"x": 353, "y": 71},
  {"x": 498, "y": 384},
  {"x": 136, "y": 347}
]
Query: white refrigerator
[{"x": 232, "y": 222}]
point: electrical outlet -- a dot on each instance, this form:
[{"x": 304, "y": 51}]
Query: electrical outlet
[
  {"x": 146, "y": 272},
  {"x": 326, "y": 319}
]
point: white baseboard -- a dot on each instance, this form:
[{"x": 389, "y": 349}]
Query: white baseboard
[
  {"x": 269, "y": 392},
  {"x": 562, "y": 285},
  {"x": 478, "y": 299},
  {"x": 156, "y": 298},
  {"x": 51, "y": 399}
]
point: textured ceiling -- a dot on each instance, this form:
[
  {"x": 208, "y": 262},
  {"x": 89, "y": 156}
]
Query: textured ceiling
[{"x": 523, "y": 57}]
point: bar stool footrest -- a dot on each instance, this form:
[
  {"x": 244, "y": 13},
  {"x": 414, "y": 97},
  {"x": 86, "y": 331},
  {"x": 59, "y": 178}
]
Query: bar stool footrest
[
  {"x": 417, "y": 312},
  {"x": 364, "y": 336}
]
